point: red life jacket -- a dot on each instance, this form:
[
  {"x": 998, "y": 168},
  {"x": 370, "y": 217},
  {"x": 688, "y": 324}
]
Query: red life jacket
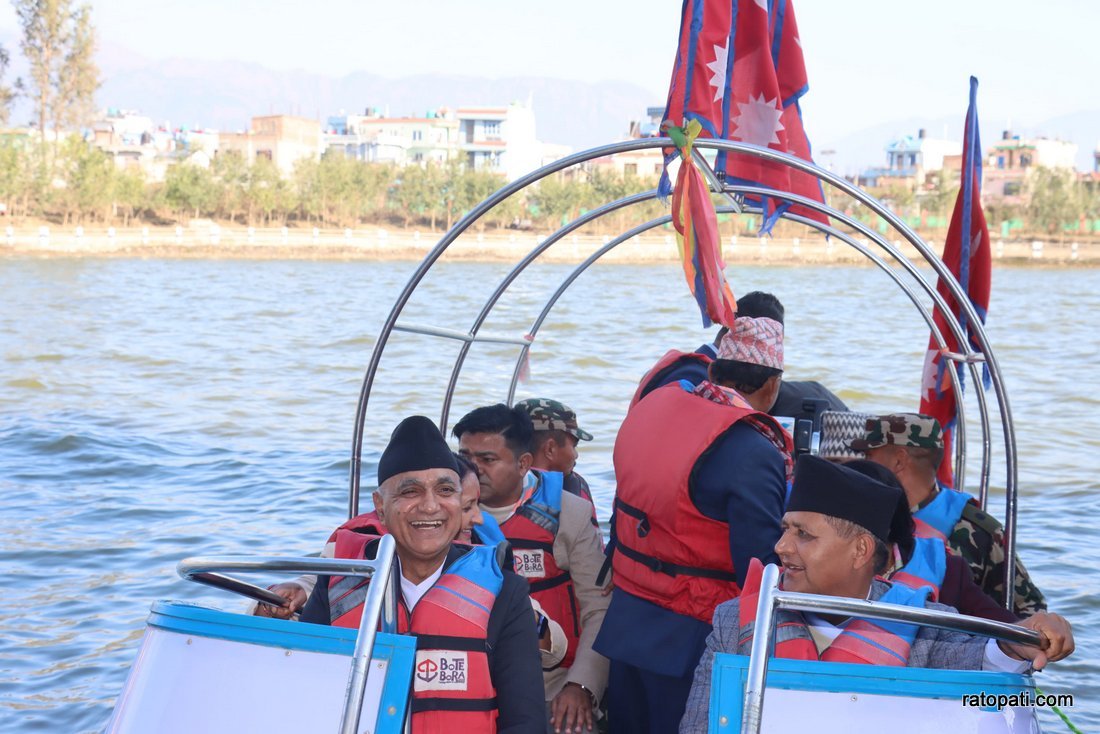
[
  {"x": 367, "y": 522},
  {"x": 452, "y": 687},
  {"x": 861, "y": 641},
  {"x": 671, "y": 358},
  {"x": 665, "y": 550},
  {"x": 531, "y": 531}
]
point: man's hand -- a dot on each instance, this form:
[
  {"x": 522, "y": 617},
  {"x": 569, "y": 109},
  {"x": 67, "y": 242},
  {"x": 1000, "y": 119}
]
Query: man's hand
[
  {"x": 290, "y": 591},
  {"x": 571, "y": 710},
  {"x": 1057, "y": 640}
]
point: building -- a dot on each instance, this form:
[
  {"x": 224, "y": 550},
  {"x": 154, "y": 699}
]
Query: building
[
  {"x": 282, "y": 139},
  {"x": 376, "y": 138},
  {"x": 500, "y": 139},
  {"x": 1009, "y": 161},
  {"x": 911, "y": 161},
  {"x": 645, "y": 164},
  {"x": 131, "y": 139}
]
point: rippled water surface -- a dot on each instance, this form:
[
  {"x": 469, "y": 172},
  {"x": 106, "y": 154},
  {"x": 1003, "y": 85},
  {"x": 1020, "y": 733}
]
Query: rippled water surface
[{"x": 156, "y": 409}]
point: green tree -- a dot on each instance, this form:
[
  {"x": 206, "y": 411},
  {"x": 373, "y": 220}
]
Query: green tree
[
  {"x": 1054, "y": 199},
  {"x": 23, "y": 183},
  {"x": 131, "y": 194},
  {"x": 307, "y": 187},
  {"x": 417, "y": 192},
  {"x": 940, "y": 199},
  {"x": 90, "y": 181},
  {"x": 7, "y": 94},
  {"x": 336, "y": 189},
  {"x": 59, "y": 44},
  {"x": 264, "y": 192},
  {"x": 372, "y": 182},
  {"x": 467, "y": 187},
  {"x": 229, "y": 170},
  {"x": 190, "y": 190},
  {"x": 557, "y": 199}
]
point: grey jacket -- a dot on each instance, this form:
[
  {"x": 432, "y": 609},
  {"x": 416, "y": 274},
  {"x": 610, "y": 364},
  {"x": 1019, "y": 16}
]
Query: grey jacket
[{"x": 933, "y": 648}]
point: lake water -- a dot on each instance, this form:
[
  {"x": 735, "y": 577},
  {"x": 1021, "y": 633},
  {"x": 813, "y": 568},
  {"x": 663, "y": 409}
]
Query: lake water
[{"x": 156, "y": 409}]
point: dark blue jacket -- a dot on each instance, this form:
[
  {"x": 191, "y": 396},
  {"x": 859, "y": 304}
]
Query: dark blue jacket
[{"x": 740, "y": 480}]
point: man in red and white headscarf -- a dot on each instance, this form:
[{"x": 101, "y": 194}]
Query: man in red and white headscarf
[{"x": 701, "y": 473}]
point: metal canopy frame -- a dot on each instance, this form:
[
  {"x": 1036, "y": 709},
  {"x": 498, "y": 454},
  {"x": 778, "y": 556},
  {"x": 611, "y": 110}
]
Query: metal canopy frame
[{"x": 733, "y": 194}]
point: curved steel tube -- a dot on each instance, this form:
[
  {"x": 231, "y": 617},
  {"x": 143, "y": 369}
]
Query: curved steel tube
[
  {"x": 594, "y": 257},
  {"x": 771, "y": 599},
  {"x": 978, "y": 331},
  {"x": 515, "y": 273},
  {"x": 976, "y": 325},
  {"x": 881, "y": 241},
  {"x": 425, "y": 265},
  {"x": 380, "y": 604},
  {"x": 938, "y": 302}
]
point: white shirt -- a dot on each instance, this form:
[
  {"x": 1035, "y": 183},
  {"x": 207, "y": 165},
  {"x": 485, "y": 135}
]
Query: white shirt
[
  {"x": 412, "y": 592},
  {"x": 824, "y": 632}
]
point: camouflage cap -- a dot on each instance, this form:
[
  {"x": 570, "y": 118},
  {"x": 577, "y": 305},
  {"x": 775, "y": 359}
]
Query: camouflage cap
[
  {"x": 550, "y": 415},
  {"x": 900, "y": 429}
]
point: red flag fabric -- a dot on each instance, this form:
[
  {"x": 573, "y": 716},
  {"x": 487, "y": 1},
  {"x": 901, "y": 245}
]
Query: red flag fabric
[
  {"x": 966, "y": 254},
  {"x": 740, "y": 73}
]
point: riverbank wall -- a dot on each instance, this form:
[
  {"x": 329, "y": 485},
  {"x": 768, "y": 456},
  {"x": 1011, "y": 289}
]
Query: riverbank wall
[{"x": 213, "y": 241}]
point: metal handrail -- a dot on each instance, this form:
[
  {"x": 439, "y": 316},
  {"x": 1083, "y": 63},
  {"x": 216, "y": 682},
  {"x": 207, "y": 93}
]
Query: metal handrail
[
  {"x": 380, "y": 606},
  {"x": 461, "y": 336},
  {"x": 771, "y": 600}
]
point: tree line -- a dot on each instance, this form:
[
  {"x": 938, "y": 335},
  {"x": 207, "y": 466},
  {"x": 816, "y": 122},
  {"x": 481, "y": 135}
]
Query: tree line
[
  {"x": 87, "y": 187},
  {"x": 82, "y": 184}
]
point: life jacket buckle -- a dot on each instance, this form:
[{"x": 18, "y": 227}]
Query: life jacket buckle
[{"x": 643, "y": 527}]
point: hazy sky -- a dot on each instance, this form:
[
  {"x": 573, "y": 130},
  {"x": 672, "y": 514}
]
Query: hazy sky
[{"x": 869, "y": 61}]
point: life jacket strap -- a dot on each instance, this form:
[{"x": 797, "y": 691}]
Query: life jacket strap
[
  {"x": 550, "y": 583},
  {"x": 450, "y": 642},
  {"x": 420, "y": 705},
  {"x": 673, "y": 569}
]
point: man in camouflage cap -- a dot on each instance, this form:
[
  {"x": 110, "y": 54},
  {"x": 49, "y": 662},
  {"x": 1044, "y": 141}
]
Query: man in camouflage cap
[
  {"x": 911, "y": 446},
  {"x": 554, "y": 446}
]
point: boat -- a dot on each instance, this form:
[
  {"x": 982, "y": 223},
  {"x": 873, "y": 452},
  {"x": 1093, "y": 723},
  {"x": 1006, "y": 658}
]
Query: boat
[{"x": 204, "y": 669}]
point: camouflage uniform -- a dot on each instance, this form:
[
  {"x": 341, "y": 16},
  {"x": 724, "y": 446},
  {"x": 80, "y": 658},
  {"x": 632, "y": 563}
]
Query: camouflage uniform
[
  {"x": 551, "y": 415},
  {"x": 977, "y": 537}
]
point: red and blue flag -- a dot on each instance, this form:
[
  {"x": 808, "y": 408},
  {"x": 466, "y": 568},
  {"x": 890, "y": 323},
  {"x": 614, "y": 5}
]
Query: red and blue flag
[
  {"x": 966, "y": 254},
  {"x": 740, "y": 73}
]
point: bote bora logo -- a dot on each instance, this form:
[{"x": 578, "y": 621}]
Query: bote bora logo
[
  {"x": 529, "y": 563},
  {"x": 427, "y": 670},
  {"x": 441, "y": 670}
]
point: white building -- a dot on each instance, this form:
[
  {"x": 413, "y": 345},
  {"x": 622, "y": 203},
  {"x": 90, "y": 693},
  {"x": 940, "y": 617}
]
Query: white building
[
  {"x": 377, "y": 138},
  {"x": 500, "y": 139}
]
